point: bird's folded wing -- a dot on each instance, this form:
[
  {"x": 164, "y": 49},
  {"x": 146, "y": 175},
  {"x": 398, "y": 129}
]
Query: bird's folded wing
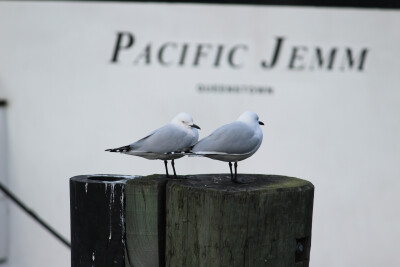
[
  {"x": 166, "y": 139},
  {"x": 233, "y": 138}
]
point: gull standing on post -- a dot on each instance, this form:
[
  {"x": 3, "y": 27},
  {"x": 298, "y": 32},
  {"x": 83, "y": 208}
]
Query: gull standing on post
[
  {"x": 232, "y": 142},
  {"x": 166, "y": 143}
]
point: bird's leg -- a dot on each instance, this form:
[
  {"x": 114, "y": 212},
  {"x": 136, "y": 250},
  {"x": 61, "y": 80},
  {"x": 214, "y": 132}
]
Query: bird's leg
[
  {"x": 230, "y": 167},
  {"x": 236, "y": 179},
  {"x": 173, "y": 167},
  {"x": 166, "y": 167}
]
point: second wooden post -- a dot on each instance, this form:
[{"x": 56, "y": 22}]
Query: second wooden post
[
  {"x": 214, "y": 222},
  {"x": 206, "y": 220}
]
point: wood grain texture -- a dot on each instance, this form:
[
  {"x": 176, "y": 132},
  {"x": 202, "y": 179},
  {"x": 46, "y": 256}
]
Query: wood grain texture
[
  {"x": 145, "y": 221},
  {"x": 211, "y": 221}
]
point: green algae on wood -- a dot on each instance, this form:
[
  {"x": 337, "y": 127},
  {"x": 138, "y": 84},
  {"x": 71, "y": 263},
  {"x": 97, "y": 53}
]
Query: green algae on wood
[
  {"x": 145, "y": 221},
  {"x": 206, "y": 220}
]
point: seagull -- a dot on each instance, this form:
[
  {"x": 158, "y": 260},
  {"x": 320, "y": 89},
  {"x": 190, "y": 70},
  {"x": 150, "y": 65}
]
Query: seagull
[
  {"x": 232, "y": 142},
  {"x": 166, "y": 143}
]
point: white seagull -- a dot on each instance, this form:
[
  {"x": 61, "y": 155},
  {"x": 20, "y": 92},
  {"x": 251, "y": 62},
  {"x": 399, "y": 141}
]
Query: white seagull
[
  {"x": 166, "y": 143},
  {"x": 232, "y": 142}
]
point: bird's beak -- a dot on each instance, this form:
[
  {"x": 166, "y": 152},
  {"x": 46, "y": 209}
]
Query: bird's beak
[
  {"x": 195, "y": 126},
  {"x": 260, "y": 122}
]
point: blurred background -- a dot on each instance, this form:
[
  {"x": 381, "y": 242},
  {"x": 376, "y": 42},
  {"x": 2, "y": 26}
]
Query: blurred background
[{"x": 81, "y": 77}]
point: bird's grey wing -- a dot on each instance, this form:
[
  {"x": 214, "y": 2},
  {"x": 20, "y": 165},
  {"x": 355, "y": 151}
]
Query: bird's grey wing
[
  {"x": 168, "y": 138},
  {"x": 127, "y": 148},
  {"x": 233, "y": 138},
  {"x": 140, "y": 142}
]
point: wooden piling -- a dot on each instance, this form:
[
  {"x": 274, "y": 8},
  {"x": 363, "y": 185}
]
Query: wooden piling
[
  {"x": 145, "y": 221},
  {"x": 214, "y": 222},
  {"x": 98, "y": 220},
  {"x": 195, "y": 220}
]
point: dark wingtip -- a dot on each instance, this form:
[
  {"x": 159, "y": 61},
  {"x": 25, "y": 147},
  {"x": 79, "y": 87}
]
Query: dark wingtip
[{"x": 119, "y": 149}]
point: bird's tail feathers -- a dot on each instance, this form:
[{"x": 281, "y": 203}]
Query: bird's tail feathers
[{"x": 121, "y": 149}]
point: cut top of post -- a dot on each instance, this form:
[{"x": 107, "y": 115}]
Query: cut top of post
[{"x": 252, "y": 182}]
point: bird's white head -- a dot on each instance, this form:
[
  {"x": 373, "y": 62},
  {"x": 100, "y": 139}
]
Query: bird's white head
[
  {"x": 250, "y": 117},
  {"x": 185, "y": 120}
]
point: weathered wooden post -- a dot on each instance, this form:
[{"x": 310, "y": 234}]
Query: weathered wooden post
[
  {"x": 214, "y": 222},
  {"x": 196, "y": 220},
  {"x": 98, "y": 220},
  {"x": 145, "y": 221}
]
